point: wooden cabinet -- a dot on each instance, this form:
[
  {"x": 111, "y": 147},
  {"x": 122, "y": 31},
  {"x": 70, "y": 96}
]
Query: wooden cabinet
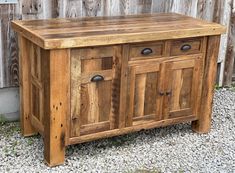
[{"x": 92, "y": 78}]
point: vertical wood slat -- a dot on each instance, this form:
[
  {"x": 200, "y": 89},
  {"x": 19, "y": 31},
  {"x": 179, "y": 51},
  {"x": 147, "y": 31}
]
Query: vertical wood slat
[
  {"x": 57, "y": 105},
  {"x": 124, "y": 119},
  {"x": 117, "y": 119},
  {"x": 38, "y": 9},
  {"x": 9, "y": 46},
  {"x": 1, "y": 57},
  {"x": 189, "y": 77},
  {"x": 230, "y": 53},
  {"x": 151, "y": 94},
  {"x": 177, "y": 85},
  {"x": 131, "y": 96},
  {"x": 75, "y": 92},
  {"x": 72, "y": 9},
  {"x": 225, "y": 20},
  {"x": 140, "y": 83}
]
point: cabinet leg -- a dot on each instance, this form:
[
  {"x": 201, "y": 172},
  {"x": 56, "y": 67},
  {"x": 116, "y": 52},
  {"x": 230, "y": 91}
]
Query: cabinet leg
[
  {"x": 56, "y": 105},
  {"x": 54, "y": 149},
  {"x": 203, "y": 124},
  {"x": 24, "y": 62}
]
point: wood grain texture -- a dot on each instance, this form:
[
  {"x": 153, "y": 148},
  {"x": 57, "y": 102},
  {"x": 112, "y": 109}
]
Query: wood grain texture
[
  {"x": 75, "y": 92},
  {"x": 142, "y": 83},
  {"x": 57, "y": 106},
  {"x": 25, "y": 95},
  {"x": 204, "y": 123},
  {"x": 115, "y": 132},
  {"x": 94, "y": 31},
  {"x": 229, "y": 71},
  {"x": 95, "y": 104},
  {"x": 225, "y": 20},
  {"x": 9, "y": 45}
]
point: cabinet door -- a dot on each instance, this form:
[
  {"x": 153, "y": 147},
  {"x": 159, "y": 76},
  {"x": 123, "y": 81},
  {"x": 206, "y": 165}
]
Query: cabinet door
[
  {"x": 95, "y": 83},
  {"x": 183, "y": 87},
  {"x": 143, "y": 100}
]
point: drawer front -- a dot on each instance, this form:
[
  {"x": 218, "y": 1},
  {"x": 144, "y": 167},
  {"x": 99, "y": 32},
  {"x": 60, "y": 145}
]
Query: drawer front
[
  {"x": 95, "y": 79},
  {"x": 146, "y": 50},
  {"x": 186, "y": 46}
]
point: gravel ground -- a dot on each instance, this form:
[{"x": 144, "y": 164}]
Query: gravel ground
[{"x": 171, "y": 149}]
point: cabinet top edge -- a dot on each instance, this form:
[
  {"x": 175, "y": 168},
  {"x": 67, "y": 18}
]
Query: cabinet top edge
[{"x": 97, "y": 31}]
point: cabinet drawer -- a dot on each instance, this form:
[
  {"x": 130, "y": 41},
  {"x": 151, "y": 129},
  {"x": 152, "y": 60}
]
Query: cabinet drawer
[
  {"x": 186, "y": 46},
  {"x": 146, "y": 50}
]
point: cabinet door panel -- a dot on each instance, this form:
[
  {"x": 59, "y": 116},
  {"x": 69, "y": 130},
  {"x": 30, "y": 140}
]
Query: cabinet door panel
[
  {"x": 143, "y": 89},
  {"x": 183, "y": 87},
  {"x": 95, "y": 103},
  {"x": 96, "y": 106},
  {"x": 95, "y": 90}
]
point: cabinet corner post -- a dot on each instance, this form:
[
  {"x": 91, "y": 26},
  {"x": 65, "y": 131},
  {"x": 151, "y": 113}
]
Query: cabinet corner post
[
  {"x": 203, "y": 124},
  {"x": 57, "y": 105}
]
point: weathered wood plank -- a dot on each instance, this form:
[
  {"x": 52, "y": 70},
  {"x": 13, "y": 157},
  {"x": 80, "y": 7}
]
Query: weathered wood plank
[
  {"x": 74, "y": 8},
  {"x": 57, "y": 105},
  {"x": 122, "y": 30},
  {"x": 2, "y": 67},
  {"x": 224, "y": 20},
  {"x": 230, "y": 53},
  {"x": 92, "y": 7},
  {"x": 25, "y": 105},
  {"x": 203, "y": 124},
  {"x": 9, "y": 47}
]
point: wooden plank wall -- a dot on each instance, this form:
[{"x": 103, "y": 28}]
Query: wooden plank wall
[{"x": 220, "y": 11}]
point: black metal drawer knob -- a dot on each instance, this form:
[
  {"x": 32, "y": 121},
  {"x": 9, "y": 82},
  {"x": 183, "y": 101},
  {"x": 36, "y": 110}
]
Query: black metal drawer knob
[
  {"x": 186, "y": 47},
  {"x": 97, "y": 78},
  {"x": 146, "y": 51}
]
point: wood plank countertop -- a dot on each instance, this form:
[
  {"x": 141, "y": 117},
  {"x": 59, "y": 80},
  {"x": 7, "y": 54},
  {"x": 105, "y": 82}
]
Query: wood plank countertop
[{"x": 95, "y": 31}]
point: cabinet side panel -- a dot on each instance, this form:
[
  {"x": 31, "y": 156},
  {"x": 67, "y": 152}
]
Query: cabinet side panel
[
  {"x": 25, "y": 108},
  {"x": 37, "y": 73}
]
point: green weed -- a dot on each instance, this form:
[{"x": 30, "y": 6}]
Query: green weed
[{"x": 2, "y": 119}]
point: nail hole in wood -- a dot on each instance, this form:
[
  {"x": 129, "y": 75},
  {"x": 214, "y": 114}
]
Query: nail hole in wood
[
  {"x": 60, "y": 103},
  {"x": 56, "y": 137},
  {"x": 61, "y": 125}
]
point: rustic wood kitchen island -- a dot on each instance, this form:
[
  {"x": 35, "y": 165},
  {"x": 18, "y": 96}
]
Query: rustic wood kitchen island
[{"x": 90, "y": 78}]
